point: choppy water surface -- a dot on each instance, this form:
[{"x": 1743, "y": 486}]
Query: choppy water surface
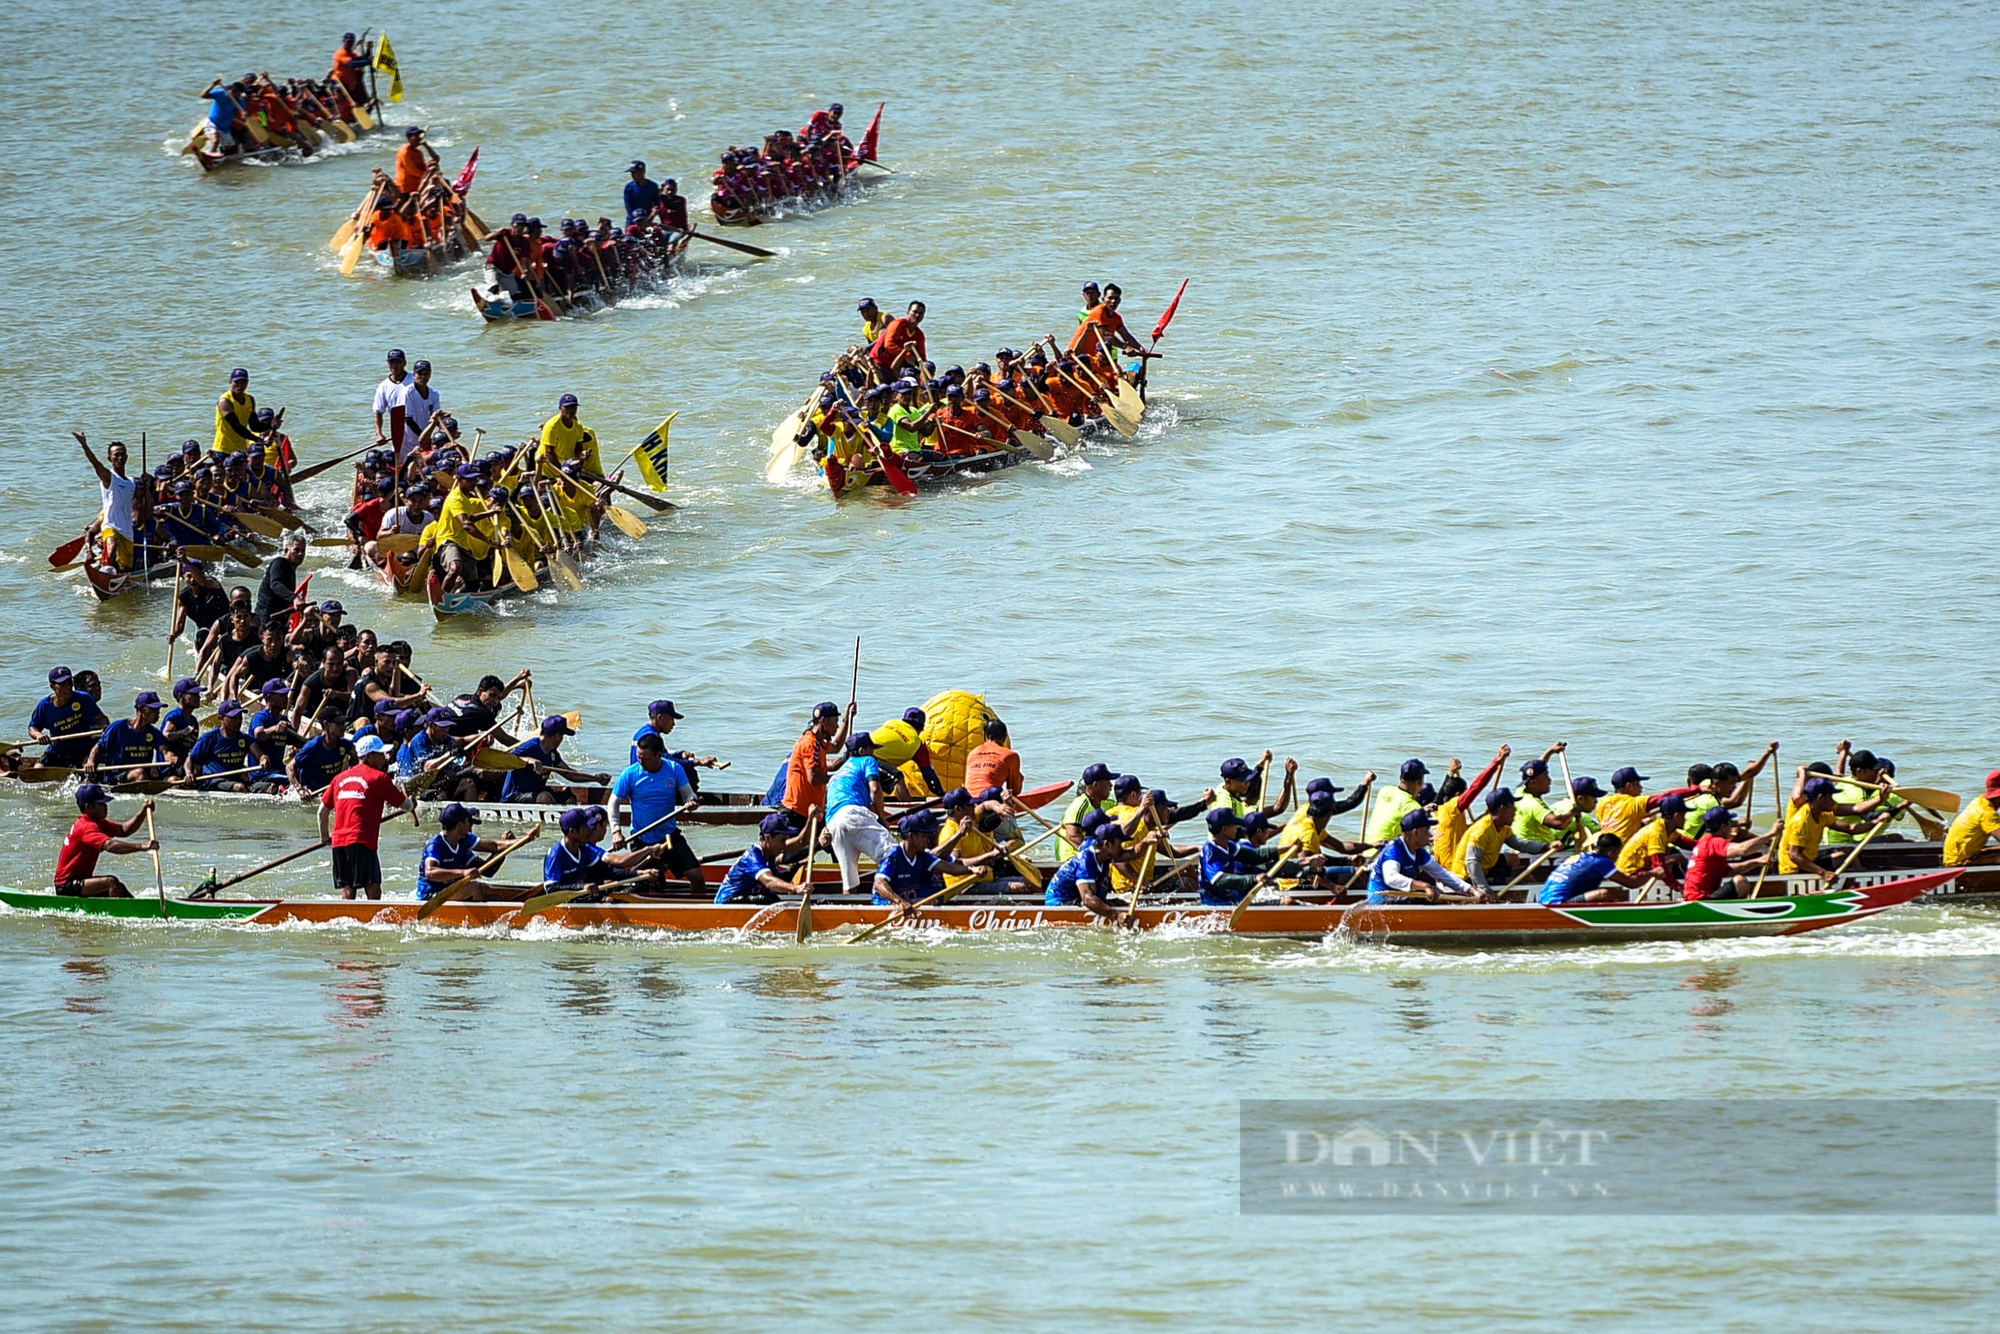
[{"x": 1607, "y": 372}]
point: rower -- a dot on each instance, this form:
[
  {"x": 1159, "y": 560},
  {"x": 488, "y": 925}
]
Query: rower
[
  {"x": 1084, "y": 878},
  {"x": 1304, "y": 839},
  {"x": 913, "y": 871},
  {"x": 1535, "y": 821},
  {"x": 1813, "y": 810},
  {"x": 1719, "y": 865},
  {"x": 993, "y": 763},
  {"x": 268, "y": 660},
  {"x": 652, "y": 787},
  {"x": 1655, "y": 847},
  {"x": 1623, "y": 809},
  {"x": 673, "y": 208},
  {"x": 132, "y": 747},
  {"x": 233, "y": 411},
  {"x": 1580, "y": 878},
  {"x": 1864, "y": 775},
  {"x": 660, "y": 719},
  {"x": 1406, "y": 872},
  {"x": 477, "y": 712},
  {"x": 974, "y": 827},
  {"x": 1490, "y": 839},
  {"x": 1237, "y": 776},
  {"x": 66, "y": 713},
  {"x": 1232, "y": 867},
  {"x": 1965, "y": 841},
  {"x": 428, "y": 742},
  {"x": 1094, "y": 794},
  {"x": 224, "y": 749},
  {"x": 642, "y": 197},
  {"x": 565, "y": 439},
  {"x": 348, "y": 63},
  {"x": 315, "y": 765},
  {"x": 350, "y": 818},
  {"x": 1581, "y": 807},
  {"x": 452, "y": 854},
  {"x": 182, "y": 724},
  {"x": 816, "y": 756},
  {"x": 901, "y": 342},
  {"x": 1396, "y": 802},
  {"x": 873, "y": 321},
  {"x": 759, "y": 876},
  {"x": 279, "y": 589},
  {"x": 411, "y": 409},
  {"x": 388, "y": 392},
  {"x": 544, "y": 756},
  {"x": 116, "y": 493},
  {"x": 462, "y": 547},
  {"x": 94, "y": 833},
  {"x": 1721, "y": 785},
  {"x": 1454, "y": 799},
  {"x": 854, "y": 798},
  {"x": 270, "y": 732},
  {"x": 223, "y": 109},
  {"x": 577, "y": 861},
  {"x": 414, "y": 161},
  {"x": 201, "y": 601}
]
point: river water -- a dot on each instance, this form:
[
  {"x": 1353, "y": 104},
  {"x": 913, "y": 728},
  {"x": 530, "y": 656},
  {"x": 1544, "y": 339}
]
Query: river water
[{"x": 1607, "y": 372}]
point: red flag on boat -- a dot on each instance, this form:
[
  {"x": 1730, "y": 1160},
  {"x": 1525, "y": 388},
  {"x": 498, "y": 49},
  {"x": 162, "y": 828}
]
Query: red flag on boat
[
  {"x": 300, "y": 601},
  {"x": 1160, "y": 329},
  {"x": 866, "y": 153},
  {"x": 464, "y": 181}
]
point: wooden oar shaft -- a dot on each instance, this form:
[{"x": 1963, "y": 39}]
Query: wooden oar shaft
[{"x": 273, "y": 864}]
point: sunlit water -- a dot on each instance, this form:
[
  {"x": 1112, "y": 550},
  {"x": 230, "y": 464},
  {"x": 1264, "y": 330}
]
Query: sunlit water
[{"x": 1615, "y": 373}]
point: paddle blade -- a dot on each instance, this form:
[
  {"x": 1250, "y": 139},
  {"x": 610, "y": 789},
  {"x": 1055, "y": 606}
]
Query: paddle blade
[
  {"x": 803, "y": 931},
  {"x": 51, "y": 774},
  {"x": 497, "y": 760},
  {"x": 1061, "y": 430},
  {"x": 1034, "y": 444},
  {"x": 542, "y": 310},
  {"x": 67, "y": 552},
  {"x": 565, "y": 571},
  {"x": 787, "y": 458},
  {"x": 351, "y": 256},
  {"x": 522, "y": 573},
  {"x": 398, "y": 544},
  {"x": 1934, "y": 797},
  {"x": 628, "y": 523},
  {"x": 341, "y": 237},
  {"x": 893, "y": 470}
]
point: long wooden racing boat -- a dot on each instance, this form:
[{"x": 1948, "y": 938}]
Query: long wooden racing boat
[
  {"x": 1443, "y": 926},
  {"x": 496, "y": 307}
]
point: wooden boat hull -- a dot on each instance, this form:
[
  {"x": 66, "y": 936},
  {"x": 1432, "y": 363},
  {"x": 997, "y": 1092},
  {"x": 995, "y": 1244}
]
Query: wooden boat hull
[
  {"x": 935, "y": 473},
  {"x": 177, "y": 910},
  {"x": 420, "y": 261},
  {"x": 1447, "y": 926}
]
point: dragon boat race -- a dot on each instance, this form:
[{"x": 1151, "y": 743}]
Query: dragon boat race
[{"x": 1022, "y": 668}]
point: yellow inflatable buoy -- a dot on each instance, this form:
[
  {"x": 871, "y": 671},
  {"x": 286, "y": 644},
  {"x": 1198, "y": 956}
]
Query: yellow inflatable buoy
[{"x": 954, "y": 723}]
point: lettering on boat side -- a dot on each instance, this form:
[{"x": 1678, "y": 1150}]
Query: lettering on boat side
[
  {"x": 1600, "y": 1156},
  {"x": 1006, "y": 919}
]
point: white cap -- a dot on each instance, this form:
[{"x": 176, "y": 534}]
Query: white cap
[{"x": 369, "y": 745}]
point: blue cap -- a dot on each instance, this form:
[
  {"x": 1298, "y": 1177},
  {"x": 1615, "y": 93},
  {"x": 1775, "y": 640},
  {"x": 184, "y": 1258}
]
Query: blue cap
[
  {"x": 58, "y": 675},
  {"x": 187, "y": 685},
  {"x": 1414, "y": 769},
  {"x": 1534, "y": 768},
  {"x": 238, "y": 374},
  {"x": 1627, "y": 775},
  {"x": 1498, "y": 797},
  {"x": 918, "y": 822},
  {"x": 826, "y": 708},
  {"x": 229, "y": 708},
  {"x": 956, "y": 798},
  {"x": 1674, "y": 807},
  {"x": 566, "y": 401},
  {"x": 275, "y": 686},
  {"x": 1238, "y": 769},
  {"x": 1222, "y": 818},
  {"x": 637, "y": 165},
  {"x": 861, "y": 741},
  {"x": 1818, "y": 787},
  {"x": 866, "y": 303},
  {"x": 395, "y": 355},
  {"x": 414, "y": 129},
  {"x": 1417, "y": 819},
  {"x": 1320, "y": 803},
  {"x": 457, "y": 813},
  {"x": 573, "y": 819},
  {"x": 1097, "y": 773},
  {"x": 1586, "y": 786},
  {"x": 470, "y": 472},
  {"x": 1256, "y": 822},
  {"x": 332, "y": 607},
  {"x": 774, "y": 823},
  {"x": 1717, "y": 818},
  {"x": 1127, "y": 783}
]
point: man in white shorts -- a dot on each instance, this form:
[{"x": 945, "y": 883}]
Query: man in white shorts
[{"x": 854, "y": 796}]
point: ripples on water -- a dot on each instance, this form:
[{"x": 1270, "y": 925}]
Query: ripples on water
[{"x": 1602, "y": 372}]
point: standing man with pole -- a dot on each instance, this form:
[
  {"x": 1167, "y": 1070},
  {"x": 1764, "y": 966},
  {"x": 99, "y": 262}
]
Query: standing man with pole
[{"x": 350, "y": 815}]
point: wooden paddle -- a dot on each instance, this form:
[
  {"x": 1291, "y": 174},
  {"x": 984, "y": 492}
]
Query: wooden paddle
[
  {"x": 733, "y": 245},
  {"x": 346, "y": 232},
  {"x": 68, "y": 551},
  {"x": 1547, "y": 853},
  {"x": 627, "y": 522},
  {"x": 308, "y": 473},
  {"x": 210, "y": 887},
  {"x": 1055, "y": 426},
  {"x": 787, "y": 451},
  {"x": 1026, "y": 440},
  {"x": 901, "y": 915},
  {"x": 457, "y": 887},
  {"x": 1127, "y": 397},
  {"x": 257, "y": 523},
  {"x": 518, "y": 569},
  {"x": 1880, "y": 824},
  {"x": 159, "y": 876},
  {"x": 802, "y": 932},
  {"x": 57, "y": 773},
  {"x": 1933, "y": 798},
  {"x": 10, "y": 746}
]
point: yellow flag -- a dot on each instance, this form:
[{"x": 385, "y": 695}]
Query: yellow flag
[
  {"x": 385, "y": 60},
  {"x": 651, "y": 456}
]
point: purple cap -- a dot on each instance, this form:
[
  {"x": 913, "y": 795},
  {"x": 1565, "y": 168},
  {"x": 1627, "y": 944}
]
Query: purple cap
[
  {"x": 1127, "y": 783},
  {"x": 332, "y": 607},
  {"x": 395, "y": 355},
  {"x": 1674, "y": 807},
  {"x": 1717, "y": 818},
  {"x": 274, "y": 686},
  {"x": 1534, "y": 768},
  {"x": 440, "y": 717},
  {"x": 469, "y": 472},
  {"x": 1256, "y": 822},
  {"x": 826, "y": 709},
  {"x": 574, "y": 818},
  {"x": 918, "y": 822},
  {"x": 566, "y": 401},
  {"x": 557, "y": 725},
  {"x": 1320, "y": 803},
  {"x": 239, "y": 375},
  {"x": 992, "y": 793},
  {"x": 407, "y": 720},
  {"x": 1627, "y": 775},
  {"x": 957, "y": 797},
  {"x": 146, "y": 700},
  {"x": 1498, "y": 797},
  {"x": 455, "y": 813},
  {"x": 420, "y": 366},
  {"x": 58, "y": 675},
  {"x": 660, "y": 706},
  {"x": 187, "y": 685},
  {"x": 1414, "y": 769},
  {"x": 1818, "y": 787},
  {"x": 1223, "y": 818},
  {"x": 91, "y": 794},
  {"x": 1417, "y": 819},
  {"x": 229, "y": 708},
  {"x": 915, "y": 718},
  {"x": 1586, "y": 786},
  {"x": 385, "y": 706},
  {"x": 861, "y": 741},
  {"x": 1238, "y": 769},
  {"x": 774, "y": 823}
]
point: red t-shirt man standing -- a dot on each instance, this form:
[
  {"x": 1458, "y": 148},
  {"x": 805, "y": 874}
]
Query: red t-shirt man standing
[{"x": 350, "y": 814}]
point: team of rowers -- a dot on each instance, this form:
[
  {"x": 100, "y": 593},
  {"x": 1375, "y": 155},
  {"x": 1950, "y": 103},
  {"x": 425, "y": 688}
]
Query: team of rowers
[
  {"x": 1460, "y": 841},
  {"x": 812, "y": 164},
  {"x": 886, "y": 394},
  {"x": 255, "y": 112},
  {"x": 414, "y": 207}
]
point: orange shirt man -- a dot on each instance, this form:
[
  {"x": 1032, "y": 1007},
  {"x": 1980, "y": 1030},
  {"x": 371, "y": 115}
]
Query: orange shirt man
[
  {"x": 412, "y": 165},
  {"x": 904, "y": 333},
  {"x": 992, "y": 764},
  {"x": 348, "y": 65},
  {"x": 806, "y": 774}
]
